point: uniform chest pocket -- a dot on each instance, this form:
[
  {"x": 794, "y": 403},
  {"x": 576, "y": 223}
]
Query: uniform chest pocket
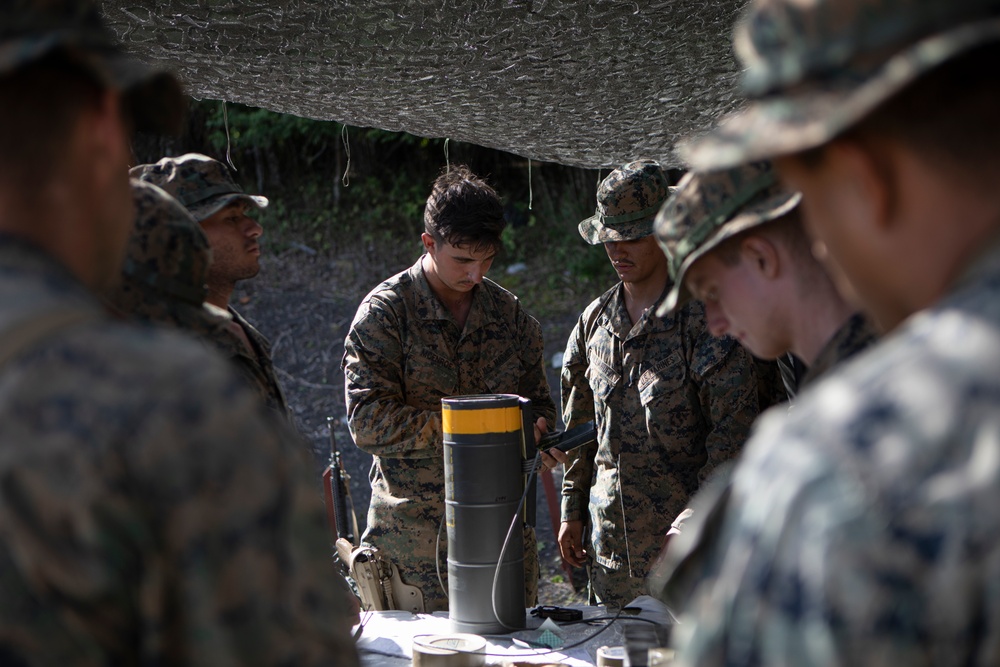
[
  {"x": 603, "y": 380},
  {"x": 664, "y": 378},
  {"x": 502, "y": 373},
  {"x": 670, "y": 408},
  {"x": 428, "y": 377}
]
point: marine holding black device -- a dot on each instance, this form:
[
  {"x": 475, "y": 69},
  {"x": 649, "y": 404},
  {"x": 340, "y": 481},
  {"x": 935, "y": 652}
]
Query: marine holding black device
[{"x": 565, "y": 441}]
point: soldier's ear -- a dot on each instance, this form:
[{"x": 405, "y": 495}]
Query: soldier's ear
[
  {"x": 761, "y": 255},
  {"x": 428, "y": 242},
  {"x": 868, "y": 180}
]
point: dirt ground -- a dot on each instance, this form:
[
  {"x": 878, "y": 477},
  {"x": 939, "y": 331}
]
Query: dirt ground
[{"x": 304, "y": 304}]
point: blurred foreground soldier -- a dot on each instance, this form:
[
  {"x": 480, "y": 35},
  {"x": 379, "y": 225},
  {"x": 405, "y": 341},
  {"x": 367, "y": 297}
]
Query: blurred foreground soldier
[
  {"x": 206, "y": 188},
  {"x": 149, "y": 513},
  {"x": 438, "y": 329},
  {"x": 861, "y": 528},
  {"x": 670, "y": 401},
  {"x": 165, "y": 268},
  {"x": 735, "y": 242}
]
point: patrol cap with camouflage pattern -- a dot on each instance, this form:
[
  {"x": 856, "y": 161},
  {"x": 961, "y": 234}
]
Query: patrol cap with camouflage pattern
[
  {"x": 627, "y": 202},
  {"x": 203, "y": 185},
  {"x": 31, "y": 30},
  {"x": 165, "y": 272},
  {"x": 814, "y": 68},
  {"x": 709, "y": 207}
]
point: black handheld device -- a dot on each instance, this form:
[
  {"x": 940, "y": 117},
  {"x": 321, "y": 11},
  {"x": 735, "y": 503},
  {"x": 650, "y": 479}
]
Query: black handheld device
[
  {"x": 564, "y": 441},
  {"x": 558, "y": 614}
]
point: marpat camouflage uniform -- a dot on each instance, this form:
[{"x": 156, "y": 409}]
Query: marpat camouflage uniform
[
  {"x": 166, "y": 262},
  {"x": 855, "y": 335},
  {"x": 861, "y": 528},
  {"x": 670, "y": 402},
  {"x": 403, "y": 354},
  {"x": 163, "y": 281},
  {"x": 204, "y": 186},
  {"x": 254, "y": 363},
  {"x": 876, "y": 546},
  {"x": 709, "y": 209},
  {"x": 149, "y": 512}
]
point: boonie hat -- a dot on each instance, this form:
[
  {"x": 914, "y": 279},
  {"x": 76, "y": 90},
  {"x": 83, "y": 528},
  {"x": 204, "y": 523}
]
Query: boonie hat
[
  {"x": 203, "y": 185},
  {"x": 709, "y": 207},
  {"x": 814, "y": 68},
  {"x": 33, "y": 29},
  {"x": 627, "y": 201}
]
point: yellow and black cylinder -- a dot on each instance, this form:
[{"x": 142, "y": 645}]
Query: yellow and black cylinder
[{"x": 483, "y": 437}]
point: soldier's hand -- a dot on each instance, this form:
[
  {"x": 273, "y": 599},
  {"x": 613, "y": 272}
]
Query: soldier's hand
[
  {"x": 554, "y": 457},
  {"x": 548, "y": 460},
  {"x": 541, "y": 428},
  {"x": 571, "y": 543}
]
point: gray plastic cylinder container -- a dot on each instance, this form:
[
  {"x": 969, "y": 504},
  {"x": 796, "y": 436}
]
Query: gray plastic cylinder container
[{"x": 483, "y": 486}]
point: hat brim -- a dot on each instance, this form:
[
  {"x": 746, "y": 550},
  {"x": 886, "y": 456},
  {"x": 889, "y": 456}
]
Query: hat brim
[
  {"x": 749, "y": 217},
  {"x": 204, "y": 210},
  {"x": 595, "y": 232},
  {"x": 812, "y": 116}
]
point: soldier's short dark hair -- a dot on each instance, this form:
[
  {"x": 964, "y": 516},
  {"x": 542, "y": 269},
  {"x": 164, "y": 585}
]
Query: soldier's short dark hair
[
  {"x": 41, "y": 103},
  {"x": 464, "y": 210}
]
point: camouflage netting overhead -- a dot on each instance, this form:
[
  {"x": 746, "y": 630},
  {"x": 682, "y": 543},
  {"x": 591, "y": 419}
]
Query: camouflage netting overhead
[{"x": 591, "y": 84}]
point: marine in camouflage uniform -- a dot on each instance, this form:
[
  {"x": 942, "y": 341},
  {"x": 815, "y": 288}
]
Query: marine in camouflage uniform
[
  {"x": 670, "y": 401},
  {"x": 205, "y": 187},
  {"x": 406, "y": 350},
  {"x": 734, "y": 240},
  {"x": 164, "y": 281},
  {"x": 149, "y": 512},
  {"x": 856, "y": 334},
  {"x": 861, "y": 528}
]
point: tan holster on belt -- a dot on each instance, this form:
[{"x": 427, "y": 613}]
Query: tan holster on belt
[{"x": 378, "y": 581}]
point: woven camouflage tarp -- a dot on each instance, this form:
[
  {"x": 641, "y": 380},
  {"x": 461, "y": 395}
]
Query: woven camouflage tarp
[{"x": 580, "y": 83}]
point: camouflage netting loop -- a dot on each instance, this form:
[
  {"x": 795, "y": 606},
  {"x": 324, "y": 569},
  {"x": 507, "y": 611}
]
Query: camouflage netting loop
[{"x": 580, "y": 83}]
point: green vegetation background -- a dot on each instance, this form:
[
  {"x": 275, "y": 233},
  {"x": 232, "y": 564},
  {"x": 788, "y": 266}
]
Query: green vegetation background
[{"x": 364, "y": 199}]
